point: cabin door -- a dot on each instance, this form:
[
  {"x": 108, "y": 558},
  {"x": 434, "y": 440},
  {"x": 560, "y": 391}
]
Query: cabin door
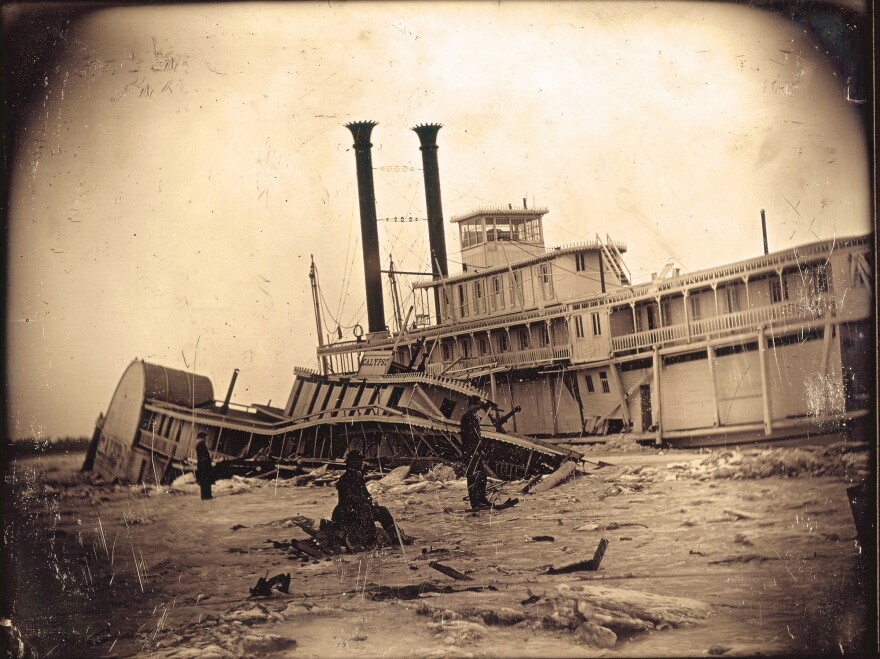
[
  {"x": 649, "y": 310},
  {"x": 645, "y": 406}
]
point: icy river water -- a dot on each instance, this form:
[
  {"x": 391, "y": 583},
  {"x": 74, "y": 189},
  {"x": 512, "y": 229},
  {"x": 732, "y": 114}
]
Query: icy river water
[{"x": 710, "y": 555}]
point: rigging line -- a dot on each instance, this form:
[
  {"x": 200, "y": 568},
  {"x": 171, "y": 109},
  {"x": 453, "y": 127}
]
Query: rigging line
[
  {"x": 344, "y": 288},
  {"x": 403, "y": 196}
]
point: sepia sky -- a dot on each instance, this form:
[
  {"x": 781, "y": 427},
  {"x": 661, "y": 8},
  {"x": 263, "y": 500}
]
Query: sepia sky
[{"x": 182, "y": 163}]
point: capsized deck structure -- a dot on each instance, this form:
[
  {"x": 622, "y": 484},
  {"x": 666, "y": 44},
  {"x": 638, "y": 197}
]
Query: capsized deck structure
[{"x": 149, "y": 431}]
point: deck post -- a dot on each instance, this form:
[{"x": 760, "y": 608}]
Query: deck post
[
  {"x": 765, "y": 385},
  {"x": 687, "y": 316},
  {"x": 553, "y": 403},
  {"x": 492, "y": 387},
  {"x": 716, "y": 418},
  {"x": 618, "y": 384},
  {"x": 657, "y": 410}
]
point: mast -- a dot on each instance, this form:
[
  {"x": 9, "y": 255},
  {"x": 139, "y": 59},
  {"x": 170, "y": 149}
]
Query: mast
[
  {"x": 313, "y": 277},
  {"x": 392, "y": 280}
]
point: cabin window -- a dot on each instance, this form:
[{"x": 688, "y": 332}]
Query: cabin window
[
  {"x": 597, "y": 325},
  {"x": 580, "y": 261},
  {"x": 579, "y": 326},
  {"x": 543, "y": 336},
  {"x": 775, "y": 290},
  {"x": 666, "y": 312},
  {"x": 696, "y": 313},
  {"x": 497, "y": 293},
  {"x": 603, "y": 379},
  {"x": 523, "y": 339},
  {"x": 446, "y": 349},
  {"x": 444, "y": 302},
  {"x": 589, "y": 380},
  {"x": 546, "y": 281},
  {"x": 483, "y": 345},
  {"x": 731, "y": 294},
  {"x": 466, "y": 347},
  {"x": 478, "y": 297},
  {"x": 649, "y": 312},
  {"x": 462, "y": 301},
  {"x": 818, "y": 279},
  {"x": 503, "y": 343},
  {"x": 517, "y": 285}
]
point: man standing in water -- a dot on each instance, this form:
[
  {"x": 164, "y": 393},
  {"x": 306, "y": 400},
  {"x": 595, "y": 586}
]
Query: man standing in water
[
  {"x": 472, "y": 454},
  {"x": 204, "y": 468}
]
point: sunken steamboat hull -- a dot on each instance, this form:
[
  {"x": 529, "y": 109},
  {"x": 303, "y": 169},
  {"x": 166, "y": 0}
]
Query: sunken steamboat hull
[{"x": 149, "y": 432}]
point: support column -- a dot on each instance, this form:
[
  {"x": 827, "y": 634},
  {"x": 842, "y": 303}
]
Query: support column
[
  {"x": 618, "y": 384},
  {"x": 716, "y": 418},
  {"x": 656, "y": 404},
  {"x": 553, "y": 403},
  {"x": 659, "y": 311},
  {"x": 765, "y": 384},
  {"x": 492, "y": 387},
  {"x": 687, "y": 317}
]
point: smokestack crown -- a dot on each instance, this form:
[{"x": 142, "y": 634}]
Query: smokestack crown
[
  {"x": 427, "y": 134},
  {"x": 361, "y": 131}
]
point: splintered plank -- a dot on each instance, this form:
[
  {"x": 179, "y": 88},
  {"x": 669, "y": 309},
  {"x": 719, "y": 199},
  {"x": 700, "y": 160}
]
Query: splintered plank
[
  {"x": 448, "y": 571},
  {"x": 304, "y": 547},
  {"x": 583, "y": 566}
]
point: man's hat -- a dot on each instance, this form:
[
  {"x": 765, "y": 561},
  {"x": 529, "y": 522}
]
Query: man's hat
[
  {"x": 353, "y": 456},
  {"x": 201, "y": 435},
  {"x": 475, "y": 400}
]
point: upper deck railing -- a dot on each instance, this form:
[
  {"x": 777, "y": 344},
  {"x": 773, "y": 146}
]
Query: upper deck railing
[
  {"x": 780, "y": 313},
  {"x": 627, "y": 295},
  {"x": 523, "y": 358}
]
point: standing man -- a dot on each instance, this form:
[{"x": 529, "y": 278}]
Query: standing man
[
  {"x": 472, "y": 454},
  {"x": 204, "y": 468}
]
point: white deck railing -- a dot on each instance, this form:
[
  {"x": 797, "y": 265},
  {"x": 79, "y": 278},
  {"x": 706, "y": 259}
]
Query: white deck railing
[
  {"x": 518, "y": 358},
  {"x": 781, "y": 313}
]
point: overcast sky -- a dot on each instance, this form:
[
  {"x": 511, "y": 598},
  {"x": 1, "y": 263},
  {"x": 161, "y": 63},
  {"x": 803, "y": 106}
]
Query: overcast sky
[{"x": 183, "y": 163}]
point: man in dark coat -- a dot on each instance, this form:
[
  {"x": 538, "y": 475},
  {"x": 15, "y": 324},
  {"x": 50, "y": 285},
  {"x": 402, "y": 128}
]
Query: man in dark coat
[
  {"x": 472, "y": 454},
  {"x": 356, "y": 514},
  {"x": 204, "y": 468}
]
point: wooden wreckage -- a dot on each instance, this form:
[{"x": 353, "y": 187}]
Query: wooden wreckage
[
  {"x": 149, "y": 432},
  {"x": 763, "y": 348}
]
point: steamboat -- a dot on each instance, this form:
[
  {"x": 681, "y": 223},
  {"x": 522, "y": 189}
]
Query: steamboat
[{"x": 767, "y": 348}]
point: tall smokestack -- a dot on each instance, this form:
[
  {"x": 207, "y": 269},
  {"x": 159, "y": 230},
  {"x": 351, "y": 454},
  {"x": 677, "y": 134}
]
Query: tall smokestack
[
  {"x": 361, "y": 130},
  {"x": 436, "y": 237}
]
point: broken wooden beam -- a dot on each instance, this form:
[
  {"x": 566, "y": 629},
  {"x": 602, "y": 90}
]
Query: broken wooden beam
[
  {"x": 583, "y": 566},
  {"x": 448, "y": 571}
]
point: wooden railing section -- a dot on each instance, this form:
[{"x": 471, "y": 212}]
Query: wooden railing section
[
  {"x": 542, "y": 355},
  {"x": 781, "y": 313}
]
